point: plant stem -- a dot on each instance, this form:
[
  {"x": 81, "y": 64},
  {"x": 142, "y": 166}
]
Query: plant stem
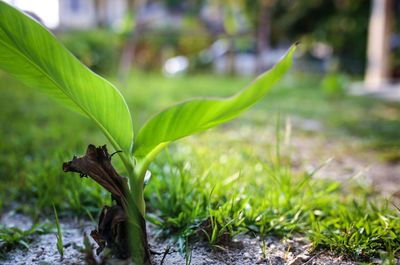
[
  {"x": 138, "y": 197},
  {"x": 144, "y": 163},
  {"x": 122, "y": 227}
]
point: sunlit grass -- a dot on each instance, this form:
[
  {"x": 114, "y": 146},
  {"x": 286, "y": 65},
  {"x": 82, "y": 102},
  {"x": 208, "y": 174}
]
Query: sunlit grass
[{"x": 216, "y": 191}]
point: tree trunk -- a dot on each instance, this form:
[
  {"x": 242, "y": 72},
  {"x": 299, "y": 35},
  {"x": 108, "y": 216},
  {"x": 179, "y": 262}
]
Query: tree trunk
[
  {"x": 128, "y": 51},
  {"x": 121, "y": 227},
  {"x": 263, "y": 34},
  {"x": 100, "y": 15},
  {"x": 378, "y": 50},
  {"x": 231, "y": 56}
]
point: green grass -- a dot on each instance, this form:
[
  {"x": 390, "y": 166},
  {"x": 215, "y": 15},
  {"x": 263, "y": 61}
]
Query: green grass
[
  {"x": 36, "y": 137},
  {"x": 217, "y": 184},
  {"x": 194, "y": 195},
  {"x": 12, "y": 237}
]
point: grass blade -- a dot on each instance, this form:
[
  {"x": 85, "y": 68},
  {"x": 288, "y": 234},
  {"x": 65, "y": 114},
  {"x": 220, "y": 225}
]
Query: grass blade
[{"x": 60, "y": 246}]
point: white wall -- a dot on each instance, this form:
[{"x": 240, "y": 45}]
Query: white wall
[
  {"x": 77, "y": 14},
  {"x": 46, "y": 10},
  {"x": 80, "y": 14}
]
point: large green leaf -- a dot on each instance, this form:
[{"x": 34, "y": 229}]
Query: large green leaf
[
  {"x": 34, "y": 56},
  {"x": 200, "y": 114}
]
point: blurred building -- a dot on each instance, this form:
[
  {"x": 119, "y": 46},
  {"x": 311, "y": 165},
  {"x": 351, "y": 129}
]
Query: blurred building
[
  {"x": 81, "y": 14},
  {"x": 74, "y": 14}
]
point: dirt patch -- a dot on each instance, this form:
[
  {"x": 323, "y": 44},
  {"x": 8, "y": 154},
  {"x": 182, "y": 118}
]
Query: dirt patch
[
  {"x": 307, "y": 148},
  {"x": 43, "y": 248},
  {"x": 347, "y": 160},
  {"x": 244, "y": 250}
]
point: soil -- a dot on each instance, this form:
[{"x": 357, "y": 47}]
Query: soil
[
  {"x": 341, "y": 158},
  {"x": 43, "y": 248},
  {"x": 244, "y": 250},
  {"x": 348, "y": 160}
]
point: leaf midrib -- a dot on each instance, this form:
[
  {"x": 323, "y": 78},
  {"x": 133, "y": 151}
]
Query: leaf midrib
[{"x": 56, "y": 84}]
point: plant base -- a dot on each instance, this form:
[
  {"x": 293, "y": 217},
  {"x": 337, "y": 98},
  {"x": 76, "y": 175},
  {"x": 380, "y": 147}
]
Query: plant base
[{"x": 118, "y": 224}]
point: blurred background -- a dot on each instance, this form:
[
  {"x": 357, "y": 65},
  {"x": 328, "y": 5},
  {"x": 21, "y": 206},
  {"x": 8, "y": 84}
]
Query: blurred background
[{"x": 242, "y": 37}]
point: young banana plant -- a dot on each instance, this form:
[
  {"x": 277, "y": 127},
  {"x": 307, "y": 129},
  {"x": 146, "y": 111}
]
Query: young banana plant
[{"x": 30, "y": 53}]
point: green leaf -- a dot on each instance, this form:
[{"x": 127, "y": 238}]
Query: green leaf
[
  {"x": 33, "y": 55},
  {"x": 201, "y": 114}
]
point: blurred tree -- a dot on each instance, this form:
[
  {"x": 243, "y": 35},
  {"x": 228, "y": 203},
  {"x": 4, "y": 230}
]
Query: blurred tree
[
  {"x": 263, "y": 31},
  {"x": 99, "y": 7},
  {"x": 379, "y": 44},
  {"x": 131, "y": 36},
  {"x": 231, "y": 28},
  {"x": 343, "y": 24},
  {"x": 395, "y": 55}
]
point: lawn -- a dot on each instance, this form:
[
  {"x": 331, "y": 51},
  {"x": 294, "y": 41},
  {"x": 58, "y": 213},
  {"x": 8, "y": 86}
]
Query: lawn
[{"x": 216, "y": 185}]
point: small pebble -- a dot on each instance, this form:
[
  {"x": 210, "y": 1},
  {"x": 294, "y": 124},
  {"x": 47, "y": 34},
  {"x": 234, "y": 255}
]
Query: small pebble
[
  {"x": 67, "y": 245},
  {"x": 300, "y": 259},
  {"x": 276, "y": 260}
]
